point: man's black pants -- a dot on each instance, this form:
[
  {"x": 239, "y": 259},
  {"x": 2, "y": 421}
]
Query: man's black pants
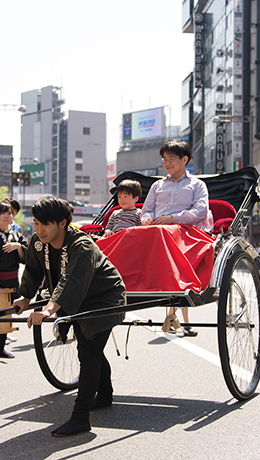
[{"x": 95, "y": 371}]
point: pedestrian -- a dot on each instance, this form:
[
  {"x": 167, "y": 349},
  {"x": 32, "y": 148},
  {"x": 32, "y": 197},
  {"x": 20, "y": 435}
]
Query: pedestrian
[
  {"x": 13, "y": 247},
  {"x": 79, "y": 278},
  {"x": 15, "y": 205}
]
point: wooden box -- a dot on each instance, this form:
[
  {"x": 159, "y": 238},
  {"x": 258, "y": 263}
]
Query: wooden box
[{"x": 6, "y": 302}]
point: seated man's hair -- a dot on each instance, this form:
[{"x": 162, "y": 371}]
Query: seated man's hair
[
  {"x": 129, "y": 186},
  {"x": 179, "y": 148},
  {"x": 52, "y": 209}
]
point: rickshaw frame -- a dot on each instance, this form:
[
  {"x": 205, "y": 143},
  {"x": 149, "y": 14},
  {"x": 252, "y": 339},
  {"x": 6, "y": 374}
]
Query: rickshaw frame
[{"x": 238, "y": 308}]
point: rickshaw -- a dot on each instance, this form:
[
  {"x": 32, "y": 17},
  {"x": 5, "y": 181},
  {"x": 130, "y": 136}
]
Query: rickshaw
[{"x": 233, "y": 283}]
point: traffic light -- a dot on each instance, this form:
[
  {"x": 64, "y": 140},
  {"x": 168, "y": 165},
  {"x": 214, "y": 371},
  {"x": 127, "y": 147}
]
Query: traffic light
[
  {"x": 25, "y": 177},
  {"x": 14, "y": 179}
]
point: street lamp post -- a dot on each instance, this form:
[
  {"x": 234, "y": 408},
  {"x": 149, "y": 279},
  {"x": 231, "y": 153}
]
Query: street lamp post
[{"x": 20, "y": 108}]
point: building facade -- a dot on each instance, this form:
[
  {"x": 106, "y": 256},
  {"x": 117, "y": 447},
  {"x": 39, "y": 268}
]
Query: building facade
[
  {"x": 86, "y": 157},
  {"x": 6, "y": 163},
  {"x": 220, "y": 103},
  {"x": 71, "y": 152}
]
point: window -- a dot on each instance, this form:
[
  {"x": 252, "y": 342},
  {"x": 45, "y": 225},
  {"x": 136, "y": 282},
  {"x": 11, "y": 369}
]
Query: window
[
  {"x": 78, "y": 166},
  {"x": 86, "y": 131},
  {"x": 54, "y": 165},
  {"x": 78, "y": 179},
  {"x": 86, "y": 179},
  {"x": 78, "y": 191},
  {"x": 78, "y": 154}
]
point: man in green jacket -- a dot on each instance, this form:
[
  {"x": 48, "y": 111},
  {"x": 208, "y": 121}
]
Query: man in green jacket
[{"x": 80, "y": 278}]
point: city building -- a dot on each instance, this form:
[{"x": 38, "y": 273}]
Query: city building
[
  {"x": 86, "y": 157},
  {"x": 6, "y": 163},
  {"x": 143, "y": 133},
  {"x": 66, "y": 157},
  {"x": 221, "y": 96}
]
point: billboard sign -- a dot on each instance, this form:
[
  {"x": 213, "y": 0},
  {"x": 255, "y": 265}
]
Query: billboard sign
[
  {"x": 145, "y": 124},
  {"x": 37, "y": 172},
  {"x": 199, "y": 50},
  {"x": 220, "y": 148}
]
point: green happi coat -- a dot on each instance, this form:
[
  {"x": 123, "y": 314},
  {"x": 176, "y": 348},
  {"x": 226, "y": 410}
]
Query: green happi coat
[{"x": 87, "y": 279}]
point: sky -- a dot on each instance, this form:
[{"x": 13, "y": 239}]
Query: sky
[{"x": 111, "y": 56}]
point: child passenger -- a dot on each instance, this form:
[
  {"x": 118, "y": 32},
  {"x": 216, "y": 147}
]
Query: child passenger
[{"x": 128, "y": 193}]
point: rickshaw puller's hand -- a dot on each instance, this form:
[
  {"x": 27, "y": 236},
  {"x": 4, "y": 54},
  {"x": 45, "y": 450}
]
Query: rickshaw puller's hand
[
  {"x": 36, "y": 318},
  {"x": 21, "y": 304}
]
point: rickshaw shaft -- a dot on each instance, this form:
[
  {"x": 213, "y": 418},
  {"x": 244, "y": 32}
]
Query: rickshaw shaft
[{"x": 125, "y": 323}]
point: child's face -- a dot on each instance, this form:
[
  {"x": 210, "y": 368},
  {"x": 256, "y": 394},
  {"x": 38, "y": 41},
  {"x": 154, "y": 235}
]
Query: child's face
[{"x": 126, "y": 200}]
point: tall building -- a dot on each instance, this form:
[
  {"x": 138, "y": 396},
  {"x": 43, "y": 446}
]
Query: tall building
[
  {"x": 6, "y": 163},
  {"x": 66, "y": 157},
  {"x": 86, "y": 157},
  {"x": 221, "y": 96},
  {"x": 40, "y": 132}
]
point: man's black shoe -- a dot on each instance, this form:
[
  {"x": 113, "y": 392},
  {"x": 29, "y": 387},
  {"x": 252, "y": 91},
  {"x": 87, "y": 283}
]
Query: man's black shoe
[
  {"x": 72, "y": 426},
  {"x": 100, "y": 402}
]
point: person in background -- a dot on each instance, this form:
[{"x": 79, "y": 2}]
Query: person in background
[
  {"x": 13, "y": 247},
  {"x": 128, "y": 193},
  {"x": 15, "y": 205},
  {"x": 178, "y": 198}
]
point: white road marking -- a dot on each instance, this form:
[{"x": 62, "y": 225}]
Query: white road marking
[
  {"x": 204, "y": 354},
  {"x": 195, "y": 349}
]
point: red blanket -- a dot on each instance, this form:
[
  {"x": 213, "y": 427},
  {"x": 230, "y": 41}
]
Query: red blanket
[{"x": 162, "y": 257}]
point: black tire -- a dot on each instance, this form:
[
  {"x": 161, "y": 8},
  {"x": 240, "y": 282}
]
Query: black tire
[
  {"x": 238, "y": 325},
  {"x": 57, "y": 360}
]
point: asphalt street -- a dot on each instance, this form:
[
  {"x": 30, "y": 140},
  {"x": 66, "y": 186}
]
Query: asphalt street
[{"x": 170, "y": 401}]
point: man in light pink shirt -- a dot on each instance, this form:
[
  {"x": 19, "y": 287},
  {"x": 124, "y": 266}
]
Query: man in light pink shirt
[{"x": 179, "y": 198}]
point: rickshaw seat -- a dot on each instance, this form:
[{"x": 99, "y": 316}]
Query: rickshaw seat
[{"x": 223, "y": 215}]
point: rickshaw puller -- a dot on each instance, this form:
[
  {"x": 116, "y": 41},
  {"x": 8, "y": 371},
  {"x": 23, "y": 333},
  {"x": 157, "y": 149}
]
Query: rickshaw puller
[{"x": 79, "y": 278}]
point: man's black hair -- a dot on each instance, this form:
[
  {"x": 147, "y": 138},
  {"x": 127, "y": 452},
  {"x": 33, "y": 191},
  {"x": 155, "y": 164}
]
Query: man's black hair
[
  {"x": 129, "y": 186},
  {"x": 52, "y": 209},
  {"x": 179, "y": 148}
]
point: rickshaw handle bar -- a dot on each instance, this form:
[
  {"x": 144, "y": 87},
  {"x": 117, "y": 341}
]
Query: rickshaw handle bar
[
  {"x": 114, "y": 310},
  {"x": 11, "y": 310},
  {"x": 92, "y": 313}
]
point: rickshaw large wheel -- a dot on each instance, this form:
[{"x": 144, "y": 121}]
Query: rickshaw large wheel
[
  {"x": 238, "y": 325},
  {"x": 57, "y": 357}
]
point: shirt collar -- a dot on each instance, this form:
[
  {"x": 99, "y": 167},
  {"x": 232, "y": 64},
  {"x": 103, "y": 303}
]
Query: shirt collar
[{"x": 184, "y": 176}]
